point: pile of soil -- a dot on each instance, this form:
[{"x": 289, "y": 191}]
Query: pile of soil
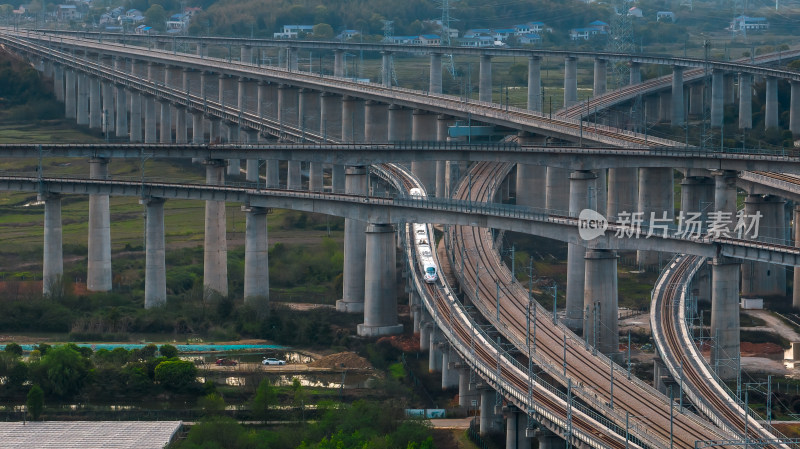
[
  {"x": 405, "y": 343},
  {"x": 759, "y": 349},
  {"x": 348, "y": 360}
]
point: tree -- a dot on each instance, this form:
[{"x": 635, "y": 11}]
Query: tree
[
  {"x": 156, "y": 17},
  {"x": 176, "y": 374},
  {"x": 13, "y": 348},
  {"x": 35, "y": 402},
  {"x": 266, "y": 396},
  {"x": 62, "y": 371},
  {"x": 168, "y": 351},
  {"x": 323, "y": 31},
  {"x": 212, "y": 404}
]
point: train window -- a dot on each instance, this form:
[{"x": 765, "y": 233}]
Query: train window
[{"x": 430, "y": 270}]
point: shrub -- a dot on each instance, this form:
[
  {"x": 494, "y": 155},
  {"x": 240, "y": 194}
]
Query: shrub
[{"x": 177, "y": 375}]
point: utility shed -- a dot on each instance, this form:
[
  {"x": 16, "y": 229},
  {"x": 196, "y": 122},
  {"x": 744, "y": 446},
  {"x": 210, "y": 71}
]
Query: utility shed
[{"x": 88, "y": 434}]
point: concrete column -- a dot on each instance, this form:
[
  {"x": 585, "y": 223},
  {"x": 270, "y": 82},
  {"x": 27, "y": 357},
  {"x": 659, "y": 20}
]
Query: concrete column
[
  {"x": 166, "y": 122},
  {"x": 485, "y": 82},
  {"x": 70, "y": 94},
  {"x": 696, "y": 99},
  {"x": 308, "y": 110},
  {"x": 294, "y": 175},
  {"x": 656, "y": 196},
  {"x": 557, "y": 193},
  {"x": 181, "y": 132},
  {"x": 435, "y": 350},
  {"x": 95, "y": 98},
  {"x": 386, "y": 68},
  {"x": 664, "y": 106},
  {"x": 155, "y": 273},
  {"x": 330, "y": 121},
  {"x": 635, "y": 73},
  {"x": 535, "y": 83},
  {"x": 570, "y": 81},
  {"x": 214, "y": 131},
  {"x": 287, "y": 105},
  {"x": 601, "y": 187},
  {"x": 600, "y": 301},
  {"x": 426, "y": 326},
  {"x": 252, "y": 164},
  {"x": 352, "y": 119},
  {"x": 466, "y": 392},
  {"x": 794, "y": 108},
  {"x": 58, "y": 81},
  {"x": 121, "y": 112},
  {"x": 246, "y": 54},
  {"x": 354, "y": 248},
  {"x": 487, "y": 419},
  {"x": 399, "y": 127},
  {"x": 136, "y": 116},
  {"x": 149, "y": 119},
  {"x": 600, "y": 73},
  {"x": 376, "y": 128},
  {"x": 215, "y": 248},
  {"x": 435, "y": 84},
  {"x": 449, "y": 372},
  {"x": 796, "y": 276},
  {"x": 725, "y": 316},
  {"x": 582, "y": 191},
  {"x": 98, "y": 272},
  {"x": 423, "y": 129},
  {"x": 108, "y": 107},
  {"x": 83, "y": 99},
  {"x": 197, "y": 127},
  {"x": 53, "y": 260},
  {"x": 730, "y": 90},
  {"x": 745, "y": 101},
  {"x": 531, "y": 179},
  {"x": 200, "y": 50},
  {"x": 256, "y": 257},
  {"x": 549, "y": 440},
  {"x": 516, "y": 426},
  {"x": 338, "y": 63},
  {"x": 725, "y": 192},
  {"x": 697, "y": 195},
  {"x": 677, "y": 113},
  {"x": 442, "y": 124},
  {"x": 380, "y": 299},
  {"x": 759, "y": 278},
  {"x": 717, "y": 97}
]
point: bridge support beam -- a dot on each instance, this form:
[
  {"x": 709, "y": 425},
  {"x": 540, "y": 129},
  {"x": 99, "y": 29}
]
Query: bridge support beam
[
  {"x": 549, "y": 440},
  {"x": 149, "y": 119},
  {"x": 95, "y": 99},
  {"x": 58, "y": 81},
  {"x": 246, "y": 54},
  {"x": 108, "y": 107},
  {"x": 535, "y": 83},
  {"x": 386, "y": 68},
  {"x": 725, "y": 192},
  {"x": 287, "y": 105},
  {"x": 251, "y": 175},
  {"x": 198, "y": 136},
  {"x": 435, "y": 353},
  {"x": 330, "y": 123},
  {"x": 136, "y": 116},
  {"x": 376, "y": 122},
  {"x": 181, "y": 128},
  {"x": 121, "y": 112},
  {"x": 696, "y": 99},
  {"x": 655, "y": 198},
  {"x": 557, "y": 185},
  {"x": 600, "y": 74},
  {"x": 256, "y": 259},
  {"x": 166, "y": 123},
  {"x": 466, "y": 390},
  {"x": 601, "y": 302},
  {"x": 697, "y": 195},
  {"x": 485, "y": 81},
  {"x": 98, "y": 272},
  {"x": 582, "y": 191},
  {"x": 635, "y": 75},
  {"x": 354, "y": 248},
  {"x": 623, "y": 185},
  {"x": 215, "y": 247},
  {"x": 725, "y": 316},
  {"x": 488, "y": 419},
  {"x": 449, "y": 372},
  {"x": 516, "y": 424},
  {"x": 399, "y": 127},
  {"x": 771, "y": 107},
  {"x": 425, "y": 329},
  {"x": 380, "y": 299},
  {"x": 717, "y": 97},
  {"x": 423, "y": 129},
  {"x": 796, "y": 284},
  {"x": 352, "y": 119},
  {"x": 70, "y": 94},
  {"x": 760, "y": 278},
  {"x": 155, "y": 274},
  {"x": 531, "y": 180},
  {"x": 338, "y": 63},
  {"x": 570, "y": 81},
  {"x": 442, "y": 124},
  {"x": 745, "y": 101},
  {"x": 53, "y": 257},
  {"x": 435, "y": 82},
  {"x": 83, "y": 99},
  {"x": 794, "y": 108},
  {"x": 677, "y": 115}
]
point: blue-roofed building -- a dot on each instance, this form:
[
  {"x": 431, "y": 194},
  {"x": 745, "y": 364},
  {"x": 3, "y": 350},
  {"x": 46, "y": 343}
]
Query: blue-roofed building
[
  {"x": 745, "y": 23},
  {"x": 293, "y": 31},
  {"x": 530, "y": 39}
]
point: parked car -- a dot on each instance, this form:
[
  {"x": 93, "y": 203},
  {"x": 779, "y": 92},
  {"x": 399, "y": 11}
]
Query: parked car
[
  {"x": 273, "y": 361},
  {"x": 226, "y": 362}
]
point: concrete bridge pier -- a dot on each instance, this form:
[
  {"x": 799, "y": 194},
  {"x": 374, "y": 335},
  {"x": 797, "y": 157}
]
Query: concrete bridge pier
[
  {"x": 376, "y": 126},
  {"x": 697, "y": 195},
  {"x": 214, "y": 129},
  {"x": 386, "y": 68},
  {"x": 215, "y": 246},
  {"x": 108, "y": 107},
  {"x": 717, "y": 97},
  {"x": 353, "y": 110},
  {"x": 246, "y": 54},
  {"x": 330, "y": 121},
  {"x": 181, "y": 128},
  {"x": 489, "y": 421},
  {"x": 466, "y": 389},
  {"x": 251, "y": 174},
  {"x": 570, "y": 81},
  {"x": 256, "y": 258},
  {"x": 399, "y": 126},
  {"x": 677, "y": 116},
  {"x": 380, "y": 298},
  {"x": 201, "y": 50},
  {"x": 166, "y": 122},
  {"x": 70, "y": 94},
  {"x": 794, "y": 108},
  {"x": 354, "y": 248},
  {"x": 424, "y": 130},
  {"x": 623, "y": 187},
  {"x": 149, "y": 118},
  {"x": 136, "y": 116},
  {"x": 58, "y": 81},
  {"x": 95, "y": 98},
  {"x": 288, "y": 105},
  {"x": 796, "y": 276},
  {"x": 485, "y": 80},
  {"x": 531, "y": 179},
  {"x": 426, "y": 326},
  {"x": 121, "y": 112},
  {"x": 535, "y": 83},
  {"x": 155, "y": 274},
  {"x": 435, "y": 352},
  {"x": 745, "y": 101},
  {"x": 696, "y": 99},
  {"x": 449, "y": 372},
  {"x": 725, "y": 193},
  {"x": 557, "y": 193},
  {"x": 442, "y": 124},
  {"x": 83, "y": 99},
  {"x": 53, "y": 260},
  {"x": 771, "y": 107},
  {"x": 309, "y": 118},
  {"x": 760, "y": 278},
  {"x": 549, "y": 440},
  {"x": 435, "y": 79},
  {"x": 601, "y": 302},
  {"x": 98, "y": 272},
  {"x": 664, "y": 106},
  {"x": 655, "y": 198},
  {"x": 516, "y": 425},
  {"x": 338, "y": 63},
  {"x": 582, "y": 191},
  {"x": 600, "y": 74},
  {"x": 725, "y": 316},
  {"x": 198, "y": 136}
]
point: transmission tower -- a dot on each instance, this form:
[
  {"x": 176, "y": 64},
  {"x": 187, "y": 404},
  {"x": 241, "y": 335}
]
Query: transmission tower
[
  {"x": 620, "y": 40},
  {"x": 388, "y": 32},
  {"x": 444, "y": 5},
  {"x": 707, "y": 134}
]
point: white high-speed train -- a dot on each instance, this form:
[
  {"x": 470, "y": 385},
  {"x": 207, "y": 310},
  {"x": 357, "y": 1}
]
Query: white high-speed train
[{"x": 423, "y": 243}]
